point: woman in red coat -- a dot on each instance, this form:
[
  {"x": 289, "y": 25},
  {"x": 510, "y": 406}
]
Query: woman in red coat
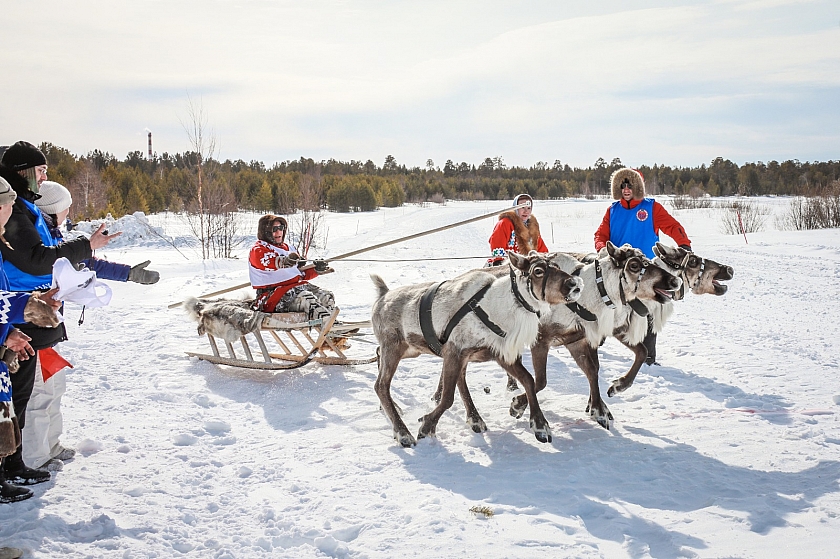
[{"x": 517, "y": 231}]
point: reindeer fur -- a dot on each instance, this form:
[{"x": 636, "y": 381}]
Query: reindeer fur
[{"x": 223, "y": 318}]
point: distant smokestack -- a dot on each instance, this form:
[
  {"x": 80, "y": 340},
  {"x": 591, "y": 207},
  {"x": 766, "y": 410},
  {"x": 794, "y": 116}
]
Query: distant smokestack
[{"x": 150, "y": 145}]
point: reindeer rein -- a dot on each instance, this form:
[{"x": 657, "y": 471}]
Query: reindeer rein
[{"x": 518, "y": 296}]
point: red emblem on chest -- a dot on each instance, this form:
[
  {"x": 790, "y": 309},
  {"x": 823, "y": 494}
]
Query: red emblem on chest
[{"x": 642, "y": 215}]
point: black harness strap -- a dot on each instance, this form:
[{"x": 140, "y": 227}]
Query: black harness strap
[
  {"x": 435, "y": 344},
  {"x": 519, "y": 296},
  {"x": 426, "y": 319},
  {"x": 580, "y": 310},
  {"x": 599, "y": 281}
]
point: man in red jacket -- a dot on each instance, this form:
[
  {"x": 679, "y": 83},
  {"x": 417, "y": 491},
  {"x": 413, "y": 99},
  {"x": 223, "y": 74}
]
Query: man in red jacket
[{"x": 637, "y": 221}]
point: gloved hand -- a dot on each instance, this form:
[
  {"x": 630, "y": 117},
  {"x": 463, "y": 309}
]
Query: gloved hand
[
  {"x": 139, "y": 274},
  {"x": 289, "y": 260},
  {"x": 687, "y": 248},
  {"x": 321, "y": 265}
]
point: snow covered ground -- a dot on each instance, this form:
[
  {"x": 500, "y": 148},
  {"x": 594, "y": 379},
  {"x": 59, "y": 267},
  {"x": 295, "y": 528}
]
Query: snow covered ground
[{"x": 731, "y": 448}]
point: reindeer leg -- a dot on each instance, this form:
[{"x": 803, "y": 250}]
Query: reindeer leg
[
  {"x": 539, "y": 424},
  {"x": 511, "y": 384},
  {"x": 389, "y": 358},
  {"x": 623, "y": 383},
  {"x": 539, "y": 357},
  {"x": 453, "y": 363},
  {"x": 587, "y": 359},
  {"x": 474, "y": 419},
  {"x": 439, "y": 391}
]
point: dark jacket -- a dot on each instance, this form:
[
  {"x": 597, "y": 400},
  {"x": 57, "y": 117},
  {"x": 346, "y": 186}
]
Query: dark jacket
[{"x": 31, "y": 255}]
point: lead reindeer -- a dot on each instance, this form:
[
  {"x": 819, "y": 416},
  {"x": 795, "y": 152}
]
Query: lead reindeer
[
  {"x": 699, "y": 275},
  {"x": 475, "y": 317}
]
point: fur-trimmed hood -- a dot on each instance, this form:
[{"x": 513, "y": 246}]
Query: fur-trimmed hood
[
  {"x": 527, "y": 234},
  {"x": 18, "y": 183},
  {"x": 632, "y": 176}
]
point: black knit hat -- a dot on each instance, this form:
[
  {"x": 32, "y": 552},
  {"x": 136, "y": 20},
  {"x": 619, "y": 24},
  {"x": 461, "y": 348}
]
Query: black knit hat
[{"x": 23, "y": 155}]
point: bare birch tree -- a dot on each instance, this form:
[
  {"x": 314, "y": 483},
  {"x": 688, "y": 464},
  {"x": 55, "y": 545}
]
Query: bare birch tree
[{"x": 212, "y": 213}]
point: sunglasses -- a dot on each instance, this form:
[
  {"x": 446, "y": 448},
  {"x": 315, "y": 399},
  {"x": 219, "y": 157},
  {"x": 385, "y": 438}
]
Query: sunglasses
[
  {"x": 277, "y": 228},
  {"x": 626, "y": 187}
]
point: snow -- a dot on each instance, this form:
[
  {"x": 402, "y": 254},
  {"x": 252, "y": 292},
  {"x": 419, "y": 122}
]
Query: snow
[{"x": 731, "y": 448}]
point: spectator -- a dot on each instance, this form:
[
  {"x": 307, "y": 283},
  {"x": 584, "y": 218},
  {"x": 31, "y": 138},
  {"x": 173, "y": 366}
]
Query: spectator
[
  {"x": 44, "y": 421},
  {"x": 635, "y": 220},
  {"x": 517, "y": 231},
  {"x": 27, "y": 261},
  {"x": 281, "y": 285},
  {"x": 15, "y": 307}
]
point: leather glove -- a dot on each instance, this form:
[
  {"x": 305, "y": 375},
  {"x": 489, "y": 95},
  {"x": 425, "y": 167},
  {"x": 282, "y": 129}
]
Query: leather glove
[
  {"x": 139, "y": 274},
  {"x": 686, "y": 248},
  {"x": 289, "y": 260},
  {"x": 321, "y": 266}
]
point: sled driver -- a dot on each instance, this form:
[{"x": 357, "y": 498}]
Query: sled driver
[
  {"x": 517, "y": 231},
  {"x": 635, "y": 220},
  {"x": 274, "y": 273}
]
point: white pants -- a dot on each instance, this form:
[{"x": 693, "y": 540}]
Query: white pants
[{"x": 44, "y": 423}]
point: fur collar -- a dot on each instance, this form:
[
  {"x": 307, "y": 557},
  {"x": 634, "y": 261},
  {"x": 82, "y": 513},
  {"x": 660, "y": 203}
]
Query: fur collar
[
  {"x": 635, "y": 178},
  {"x": 19, "y": 184},
  {"x": 527, "y": 234}
]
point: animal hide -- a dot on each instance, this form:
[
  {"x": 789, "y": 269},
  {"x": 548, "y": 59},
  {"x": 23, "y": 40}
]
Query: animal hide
[
  {"x": 224, "y": 318},
  {"x": 9, "y": 430},
  {"x": 527, "y": 236}
]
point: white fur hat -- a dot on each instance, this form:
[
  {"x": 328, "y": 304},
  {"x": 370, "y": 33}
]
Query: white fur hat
[
  {"x": 54, "y": 198},
  {"x": 7, "y": 194}
]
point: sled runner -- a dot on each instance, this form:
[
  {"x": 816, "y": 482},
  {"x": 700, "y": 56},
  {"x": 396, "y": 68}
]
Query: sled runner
[{"x": 288, "y": 341}]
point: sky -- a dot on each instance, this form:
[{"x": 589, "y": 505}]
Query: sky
[
  {"x": 646, "y": 81},
  {"x": 729, "y": 448}
]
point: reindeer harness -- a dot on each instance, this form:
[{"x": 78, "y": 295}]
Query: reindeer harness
[
  {"x": 679, "y": 268},
  {"x": 472, "y": 305},
  {"x": 635, "y": 304}
]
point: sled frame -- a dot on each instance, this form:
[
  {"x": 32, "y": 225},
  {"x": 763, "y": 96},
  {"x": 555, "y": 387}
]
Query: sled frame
[{"x": 289, "y": 341}]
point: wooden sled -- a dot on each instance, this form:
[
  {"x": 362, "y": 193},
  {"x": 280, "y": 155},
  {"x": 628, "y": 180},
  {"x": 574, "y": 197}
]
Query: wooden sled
[{"x": 289, "y": 341}]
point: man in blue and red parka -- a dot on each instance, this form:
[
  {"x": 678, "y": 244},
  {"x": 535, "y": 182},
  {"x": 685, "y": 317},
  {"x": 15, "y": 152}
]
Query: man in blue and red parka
[{"x": 636, "y": 220}]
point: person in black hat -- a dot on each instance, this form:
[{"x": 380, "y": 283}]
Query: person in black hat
[{"x": 27, "y": 261}]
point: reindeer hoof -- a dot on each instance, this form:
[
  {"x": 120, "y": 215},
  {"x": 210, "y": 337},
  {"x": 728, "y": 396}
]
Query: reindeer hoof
[
  {"x": 477, "y": 426},
  {"x": 518, "y": 407},
  {"x": 616, "y": 387},
  {"x": 543, "y": 434},
  {"x": 512, "y": 385},
  {"x": 405, "y": 439}
]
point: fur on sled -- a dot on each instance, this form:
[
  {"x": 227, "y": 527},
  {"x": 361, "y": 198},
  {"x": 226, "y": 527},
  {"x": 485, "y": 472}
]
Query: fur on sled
[{"x": 227, "y": 319}]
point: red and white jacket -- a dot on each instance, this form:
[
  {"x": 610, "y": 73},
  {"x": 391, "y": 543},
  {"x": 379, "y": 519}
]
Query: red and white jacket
[{"x": 266, "y": 270}]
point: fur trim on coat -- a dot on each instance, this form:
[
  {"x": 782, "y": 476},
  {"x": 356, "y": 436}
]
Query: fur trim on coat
[
  {"x": 527, "y": 237},
  {"x": 9, "y": 429},
  {"x": 635, "y": 178}
]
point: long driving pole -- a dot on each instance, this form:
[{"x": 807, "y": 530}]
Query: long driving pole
[{"x": 374, "y": 247}]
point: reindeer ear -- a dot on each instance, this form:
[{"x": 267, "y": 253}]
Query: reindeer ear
[
  {"x": 613, "y": 252},
  {"x": 518, "y": 261}
]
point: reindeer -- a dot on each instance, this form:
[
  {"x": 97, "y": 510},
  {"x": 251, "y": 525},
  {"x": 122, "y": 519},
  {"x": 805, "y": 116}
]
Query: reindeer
[
  {"x": 699, "y": 275},
  {"x": 475, "y": 317}
]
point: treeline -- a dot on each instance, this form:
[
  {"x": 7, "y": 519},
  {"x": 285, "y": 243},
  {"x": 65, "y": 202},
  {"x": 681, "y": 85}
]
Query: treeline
[{"x": 102, "y": 184}]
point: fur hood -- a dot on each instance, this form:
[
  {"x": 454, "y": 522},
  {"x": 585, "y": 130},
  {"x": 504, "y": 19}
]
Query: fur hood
[
  {"x": 634, "y": 177},
  {"x": 527, "y": 234},
  {"x": 18, "y": 183}
]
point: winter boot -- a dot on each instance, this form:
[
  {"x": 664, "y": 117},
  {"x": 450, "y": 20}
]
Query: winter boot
[
  {"x": 12, "y": 493},
  {"x": 15, "y": 471}
]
